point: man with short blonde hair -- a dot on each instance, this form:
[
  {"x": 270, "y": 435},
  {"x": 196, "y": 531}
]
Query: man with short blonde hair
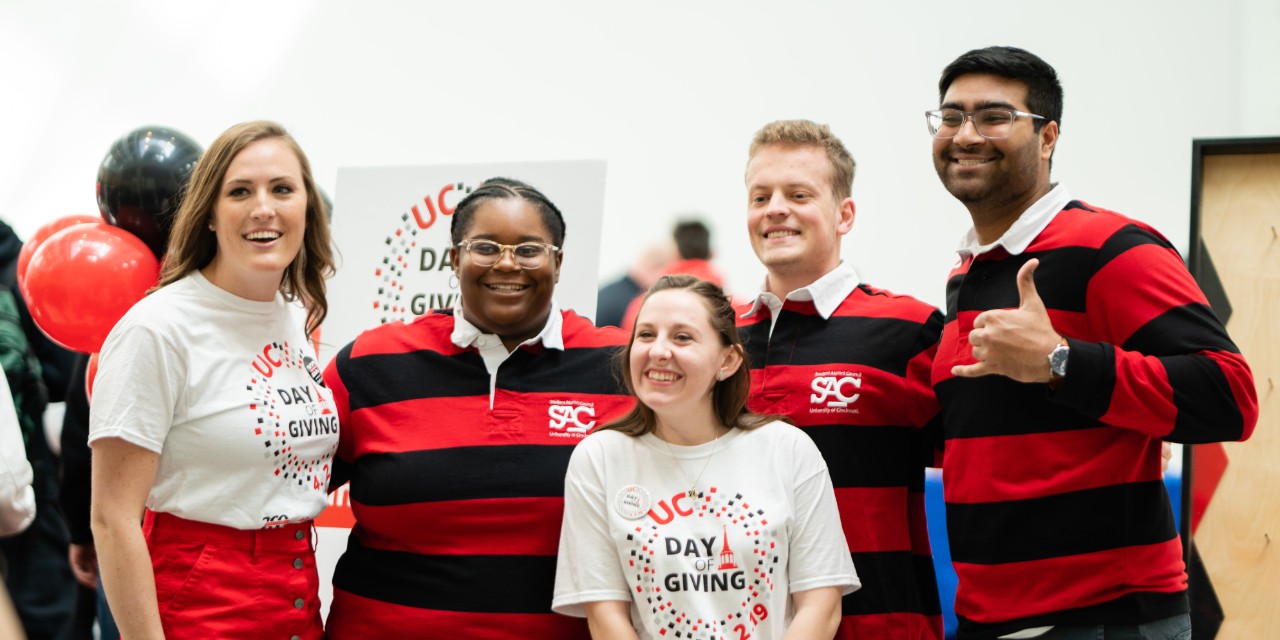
[
  {"x": 848, "y": 363},
  {"x": 802, "y": 133}
]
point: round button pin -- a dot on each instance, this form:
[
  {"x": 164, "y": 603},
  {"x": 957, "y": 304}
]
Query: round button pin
[{"x": 632, "y": 502}]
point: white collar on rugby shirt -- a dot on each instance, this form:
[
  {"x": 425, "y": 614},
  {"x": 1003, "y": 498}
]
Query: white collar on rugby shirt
[
  {"x": 491, "y": 348},
  {"x": 826, "y": 293},
  {"x": 466, "y": 334},
  {"x": 1024, "y": 230}
]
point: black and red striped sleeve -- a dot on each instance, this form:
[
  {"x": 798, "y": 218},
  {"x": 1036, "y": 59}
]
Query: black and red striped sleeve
[
  {"x": 922, "y": 405},
  {"x": 1168, "y": 368},
  {"x": 342, "y": 405}
]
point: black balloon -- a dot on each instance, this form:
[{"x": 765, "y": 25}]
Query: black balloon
[{"x": 142, "y": 179}]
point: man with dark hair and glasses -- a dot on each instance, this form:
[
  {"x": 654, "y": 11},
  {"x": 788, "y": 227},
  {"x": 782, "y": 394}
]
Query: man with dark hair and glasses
[{"x": 1076, "y": 342}]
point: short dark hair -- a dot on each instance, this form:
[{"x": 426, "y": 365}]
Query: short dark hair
[
  {"x": 502, "y": 189},
  {"x": 693, "y": 240},
  {"x": 729, "y": 397},
  {"x": 1044, "y": 92}
]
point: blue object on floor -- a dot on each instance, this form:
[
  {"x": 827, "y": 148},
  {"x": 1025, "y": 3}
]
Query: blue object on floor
[{"x": 936, "y": 512}]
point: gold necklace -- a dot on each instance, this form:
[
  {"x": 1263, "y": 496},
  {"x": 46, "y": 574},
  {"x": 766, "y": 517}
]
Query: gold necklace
[{"x": 692, "y": 493}]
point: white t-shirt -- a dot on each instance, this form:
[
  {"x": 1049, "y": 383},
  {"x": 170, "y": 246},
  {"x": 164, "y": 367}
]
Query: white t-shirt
[
  {"x": 229, "y": 393},
  {"x": 764, "y": 525},
  {"x": 17, "y": 498}
]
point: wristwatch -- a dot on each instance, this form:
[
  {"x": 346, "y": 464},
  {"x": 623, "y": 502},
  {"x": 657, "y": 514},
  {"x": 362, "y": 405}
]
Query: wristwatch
[{"x": 1058, "y": 362}]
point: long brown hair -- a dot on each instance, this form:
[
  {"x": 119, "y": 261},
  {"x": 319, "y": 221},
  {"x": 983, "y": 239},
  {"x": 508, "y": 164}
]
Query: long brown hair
[
  {"x": 192, "y": 245},
  {"x": 728, "y": 397}
]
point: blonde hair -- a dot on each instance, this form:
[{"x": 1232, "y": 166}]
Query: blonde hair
[{"x": 809, "y": 133}]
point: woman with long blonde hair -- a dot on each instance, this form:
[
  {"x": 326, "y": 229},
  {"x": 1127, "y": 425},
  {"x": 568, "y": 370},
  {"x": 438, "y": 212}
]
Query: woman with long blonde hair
[{"x": 212, "y": 430}]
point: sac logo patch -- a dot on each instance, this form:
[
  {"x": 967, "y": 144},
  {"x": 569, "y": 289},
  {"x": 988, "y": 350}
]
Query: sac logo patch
[
  {"x": 571, "y": 418},
  {"x": 835, "y": 392}
]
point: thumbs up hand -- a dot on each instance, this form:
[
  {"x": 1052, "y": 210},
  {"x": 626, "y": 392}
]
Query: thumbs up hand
[{"x": 1014, "y": 343}]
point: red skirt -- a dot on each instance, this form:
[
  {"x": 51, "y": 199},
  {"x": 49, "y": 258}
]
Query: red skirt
[{"x": 218, "y": 582}]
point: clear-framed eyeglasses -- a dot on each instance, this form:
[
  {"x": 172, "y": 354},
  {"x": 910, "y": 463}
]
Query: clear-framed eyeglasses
[
  {"x": 528, "y": 255},
  {"x": 992, "y": 124}
]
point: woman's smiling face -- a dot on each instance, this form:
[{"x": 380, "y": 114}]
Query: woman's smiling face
[
  {"x": 259, "y": 219},
  {"x": 676, "y": 354},
  {"x": 506, "y": 299}
]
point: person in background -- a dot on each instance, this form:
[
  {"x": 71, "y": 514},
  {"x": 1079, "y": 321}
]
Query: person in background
[
  {"x": 55, "y": 361},
  {"x": 849, "y": 364},
  {"x": 613, "y": 299},
  {"x": 1076, "y": 341},
  {"x": 17, "y": 498},
  {"x": 693, "y": 245},
  {"x": 692, "y": 516},
  {"x": 39, "y": 579},
  {"x": 10, "y": 624},
  {"x": 457, "y": 430},
  {"x": 74, "y": 490},
  {"x": 212, "y": 430}
]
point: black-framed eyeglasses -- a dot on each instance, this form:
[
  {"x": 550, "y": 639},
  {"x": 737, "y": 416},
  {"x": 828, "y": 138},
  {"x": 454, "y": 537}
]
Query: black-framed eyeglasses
[
  {"x": 992, "y": 124},
  {"x": 528, "y": 255}
]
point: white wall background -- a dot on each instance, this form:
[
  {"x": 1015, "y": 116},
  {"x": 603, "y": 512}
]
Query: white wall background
[{"x": 669, "y": 93}]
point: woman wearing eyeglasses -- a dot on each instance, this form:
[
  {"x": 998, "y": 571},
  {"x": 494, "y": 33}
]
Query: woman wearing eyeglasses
[{"x": 457, "y": 431}]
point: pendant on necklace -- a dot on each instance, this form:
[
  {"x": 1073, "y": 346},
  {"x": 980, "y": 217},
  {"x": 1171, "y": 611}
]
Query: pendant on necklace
[{"x": 692, "y": 493}]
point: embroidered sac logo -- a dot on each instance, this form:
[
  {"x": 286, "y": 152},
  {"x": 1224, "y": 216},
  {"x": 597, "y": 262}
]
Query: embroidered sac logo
[
  {"x": 571, "y": 418},
  {"x": 835, "y": 389}
]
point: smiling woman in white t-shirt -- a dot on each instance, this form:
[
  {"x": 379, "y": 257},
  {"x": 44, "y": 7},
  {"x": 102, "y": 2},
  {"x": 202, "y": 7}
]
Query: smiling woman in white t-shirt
[
  {"x": 692, "y": 516},
  {"x": 211, "y": 427}
]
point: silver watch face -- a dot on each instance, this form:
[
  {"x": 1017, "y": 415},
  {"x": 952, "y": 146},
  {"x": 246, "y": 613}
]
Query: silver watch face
[{"x": 1058, "y": 360}]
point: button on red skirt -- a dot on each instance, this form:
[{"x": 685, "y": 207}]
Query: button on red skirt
[{"x": 217, "y": 582}]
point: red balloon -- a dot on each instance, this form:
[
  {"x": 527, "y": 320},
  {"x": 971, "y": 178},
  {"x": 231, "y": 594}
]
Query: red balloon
[
  {"x": 90, "y": 372},
  {"x": 29, "y": 247},
  {"x": 83, "y": 279}
]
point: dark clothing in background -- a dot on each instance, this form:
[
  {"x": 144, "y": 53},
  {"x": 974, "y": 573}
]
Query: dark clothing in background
[
  {"x": 55, "y": 361},
  {"x": 39, "y": 574},
  {"x": 612, "y": 301},
  {"x": 74, "y": 489},
  {"x": 74, "y": 498}
]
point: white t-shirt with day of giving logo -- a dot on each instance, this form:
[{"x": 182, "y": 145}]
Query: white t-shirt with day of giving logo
[
  {"x": 723, "y": 564},
  {"x": 229, "y": 393}
]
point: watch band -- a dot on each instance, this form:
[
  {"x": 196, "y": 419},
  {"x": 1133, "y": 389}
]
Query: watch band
[{"x": 1058, "y": 362}]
